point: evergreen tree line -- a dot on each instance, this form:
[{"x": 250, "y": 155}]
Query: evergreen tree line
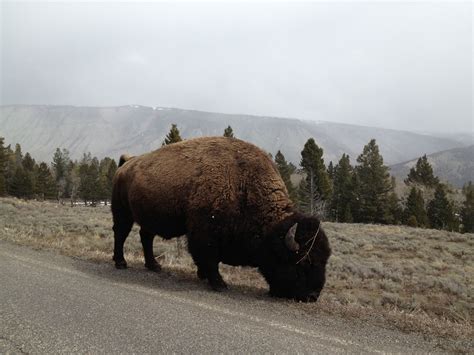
[
  {"x": 365, "y": 193},
  {"x": 88, "y": 179},
  {"x": 361, "y": 193}
]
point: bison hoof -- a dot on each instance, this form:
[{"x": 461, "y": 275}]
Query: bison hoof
[
  {"x": 153, "y": 267},
  {"x": 120, "y": 265},
  {"x": 218, "y": 285}
]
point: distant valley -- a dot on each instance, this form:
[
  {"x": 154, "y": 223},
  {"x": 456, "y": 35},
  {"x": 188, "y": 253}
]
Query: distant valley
[{"x": 111, "y": 131}]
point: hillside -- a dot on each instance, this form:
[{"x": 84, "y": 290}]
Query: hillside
[
  {"x": 453, "y": 165},
  {"x": 111, "y": 131}
]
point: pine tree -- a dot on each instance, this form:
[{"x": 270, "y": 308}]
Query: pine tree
[
  {"x": 73, "y": 181},
  {"x": 415, "y": 207},
  {"x": 467, "y": 211},
  {"x": 228, "y": 132},
  {"x": 60, "y": 168},
  {"x": 292, "y": 168},
  {"x": 375, "y": 186},
  {"x": 28, "y": 162},
  {"x": 94, "y": 181},
  {"x": 30, "y": 167},
  {"x": 285, "y": 172},
  {"x": 18, "y": 155},
  {"x": 110, "y": 177},
  {"x": 111, "y": 172},
  {"x": 10, "y": 167},
  {"x": 342, "y": 197},
  {"x": 173, "y": 136},
  {"x": 102, "y": 189},
  {"x": 20, "y": 173},
  {"x": 422, "y": 174},
  {"x": 316, "y": 189},
  {"x": 440, "y": 210},
  {"x": 467, "y": 187},
  {"x": 89, "y": 185},
  {"x": 3, "y": 168},
  {"x": 305, "y": 196},
  {"x": 85, "y": 190},
  {"x": 69, "y": 183},
  {"x": 355, "y": 206},
  {"x": 107, "y": 168},
  {"x": 58, "y": 165},
  {"x": 21, "y": 186},
  {"x": 395, "y": 209},
  {"x": 331, "y": 171},
  {"x": 45, "y": 184}
]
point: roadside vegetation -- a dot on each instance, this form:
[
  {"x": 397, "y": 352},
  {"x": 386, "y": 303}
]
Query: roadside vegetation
[{"x": 412, "y": 278}]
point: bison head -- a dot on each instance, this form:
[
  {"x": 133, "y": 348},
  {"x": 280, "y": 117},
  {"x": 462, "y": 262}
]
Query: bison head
[{"x": 294, "y": 258}]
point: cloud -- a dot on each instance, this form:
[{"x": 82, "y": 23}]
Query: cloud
[
  {"x": 133, "y": 58},
  {"x": 398, "y": 65}
]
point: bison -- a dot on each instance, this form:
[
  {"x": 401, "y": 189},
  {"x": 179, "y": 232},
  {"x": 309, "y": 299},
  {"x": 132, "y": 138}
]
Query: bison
[{"x": 228, "y": 198}]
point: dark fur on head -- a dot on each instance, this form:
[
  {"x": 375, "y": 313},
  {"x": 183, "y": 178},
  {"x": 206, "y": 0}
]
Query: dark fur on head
[{"x": 296, "y": 274}]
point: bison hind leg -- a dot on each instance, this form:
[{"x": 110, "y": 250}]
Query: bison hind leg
[
  {"x": 122, "y": 227},
  {"x": 146, "y": 238}
]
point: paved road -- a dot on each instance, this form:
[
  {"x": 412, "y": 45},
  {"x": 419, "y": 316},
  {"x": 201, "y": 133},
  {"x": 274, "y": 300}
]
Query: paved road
[{"x": 52, "y": 304}]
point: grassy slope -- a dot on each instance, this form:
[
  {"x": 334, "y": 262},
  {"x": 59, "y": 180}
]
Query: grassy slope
[{"x": 414, "y": 279}]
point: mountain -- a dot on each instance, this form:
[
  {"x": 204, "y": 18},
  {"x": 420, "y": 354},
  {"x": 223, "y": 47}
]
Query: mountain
[
  {"x": 465, "y": 138},
  {"x": 111, "y": 131},
  {"x": 454, "y": 165}
]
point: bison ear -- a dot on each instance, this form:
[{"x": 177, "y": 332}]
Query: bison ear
[{"x": 290, "y": 238}]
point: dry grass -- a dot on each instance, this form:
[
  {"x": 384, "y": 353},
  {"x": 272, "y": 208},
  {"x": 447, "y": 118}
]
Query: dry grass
[{"x": 413, "y": 279}]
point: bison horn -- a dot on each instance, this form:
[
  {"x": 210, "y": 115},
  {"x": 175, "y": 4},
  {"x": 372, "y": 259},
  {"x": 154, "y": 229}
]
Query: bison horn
[{"x": 290, "y": 238}]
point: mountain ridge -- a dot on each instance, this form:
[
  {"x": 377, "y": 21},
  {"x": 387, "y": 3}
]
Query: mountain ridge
[
  {"x": 113, "y": 130},
  {"x": 454, "y": 165}
]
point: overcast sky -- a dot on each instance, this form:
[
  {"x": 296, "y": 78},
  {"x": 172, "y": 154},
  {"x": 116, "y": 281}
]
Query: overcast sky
[{"x": 395, "y": 65}]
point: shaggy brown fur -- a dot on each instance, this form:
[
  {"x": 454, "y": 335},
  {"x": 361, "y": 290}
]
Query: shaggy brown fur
[{"x": 224, "y": 194}]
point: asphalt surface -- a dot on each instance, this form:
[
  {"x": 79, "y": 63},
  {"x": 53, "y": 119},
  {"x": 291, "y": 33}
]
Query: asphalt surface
[{"x": 56, "y": 304}]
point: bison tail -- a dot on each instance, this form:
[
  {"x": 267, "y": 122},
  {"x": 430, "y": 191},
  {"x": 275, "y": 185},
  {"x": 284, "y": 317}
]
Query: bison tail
[{"x": 123, "y": 159}]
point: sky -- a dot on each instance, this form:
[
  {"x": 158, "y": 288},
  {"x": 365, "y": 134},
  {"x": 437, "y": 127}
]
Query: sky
[{"x": 401, "y": 65}]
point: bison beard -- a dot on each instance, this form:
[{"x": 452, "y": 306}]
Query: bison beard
[{"x": 227, "y": 196}]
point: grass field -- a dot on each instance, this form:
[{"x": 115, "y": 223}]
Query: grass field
[{"x": 413, "y": 279}]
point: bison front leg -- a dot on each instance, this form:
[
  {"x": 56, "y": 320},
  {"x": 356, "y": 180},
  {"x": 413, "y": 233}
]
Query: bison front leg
[
  {"x": 146, "y": 238},
  {"x": 206, "y": 258}
]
